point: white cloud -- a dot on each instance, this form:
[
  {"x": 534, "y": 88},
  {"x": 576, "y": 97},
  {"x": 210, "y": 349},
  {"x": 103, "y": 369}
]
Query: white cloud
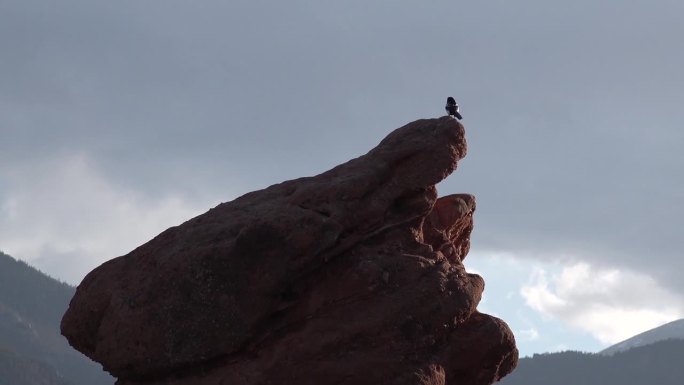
[
  {"x": 530, "y": 334},
  {"x": 65, "y": 218},
  {"x": 610, "y": 304}
]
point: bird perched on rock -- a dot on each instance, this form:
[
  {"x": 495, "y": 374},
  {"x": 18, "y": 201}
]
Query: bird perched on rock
[{"x": 452, "y": 108}]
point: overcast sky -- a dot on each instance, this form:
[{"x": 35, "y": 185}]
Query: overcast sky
[{"x": 121, "y": 118}]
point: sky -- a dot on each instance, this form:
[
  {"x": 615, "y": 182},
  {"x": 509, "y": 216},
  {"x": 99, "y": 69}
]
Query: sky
[{"x": 121, "y": 119}]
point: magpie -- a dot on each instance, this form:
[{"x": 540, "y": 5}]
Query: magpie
[{"x": 452, "y": 108}]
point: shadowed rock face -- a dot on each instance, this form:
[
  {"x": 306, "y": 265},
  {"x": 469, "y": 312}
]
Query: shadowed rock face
[{"x": 353, "y": 276}]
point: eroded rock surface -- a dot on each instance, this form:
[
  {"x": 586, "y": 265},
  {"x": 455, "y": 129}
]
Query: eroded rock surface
[{"x": 353, "y": 276}]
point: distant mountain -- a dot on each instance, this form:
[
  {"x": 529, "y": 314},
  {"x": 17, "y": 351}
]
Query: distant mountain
[
  {"x": 32, "y": 350},
  {"x": 16, "y": 370},
  {"x": 672, "y": 330},
  {"x": 658, "y": 363}
]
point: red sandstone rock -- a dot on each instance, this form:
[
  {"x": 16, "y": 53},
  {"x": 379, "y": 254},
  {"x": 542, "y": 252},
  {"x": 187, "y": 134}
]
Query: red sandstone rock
[
  {"x": 448, "y": 226},
  {"x": 353, "y": 276}
]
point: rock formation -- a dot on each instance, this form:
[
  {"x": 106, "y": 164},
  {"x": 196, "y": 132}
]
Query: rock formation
[{"x": 353, "y": 276}]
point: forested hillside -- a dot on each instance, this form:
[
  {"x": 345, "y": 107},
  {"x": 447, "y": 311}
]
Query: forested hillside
[
  {"x": 659, "y": 363},
  {"x": 32, "y": 350},
  {"x": 17, "y": 370}
]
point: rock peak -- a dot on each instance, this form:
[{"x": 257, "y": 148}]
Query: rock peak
[{"x": 353, "y": 276}]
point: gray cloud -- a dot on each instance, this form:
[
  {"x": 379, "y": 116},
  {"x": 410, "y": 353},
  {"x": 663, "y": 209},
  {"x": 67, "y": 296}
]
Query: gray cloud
[{"x": 571, "y": 109}]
